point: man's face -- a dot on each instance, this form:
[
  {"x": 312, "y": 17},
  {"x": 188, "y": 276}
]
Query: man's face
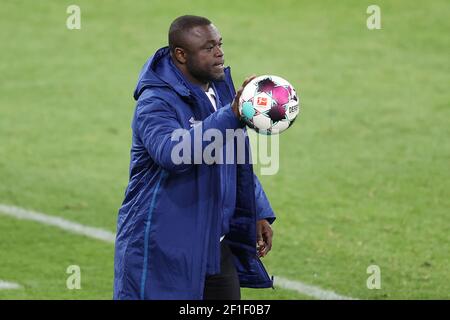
[{"x": 204, "y": 58}]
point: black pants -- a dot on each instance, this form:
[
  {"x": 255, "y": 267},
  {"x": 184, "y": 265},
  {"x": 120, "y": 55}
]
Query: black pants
[{"x": 223, "y": 286}]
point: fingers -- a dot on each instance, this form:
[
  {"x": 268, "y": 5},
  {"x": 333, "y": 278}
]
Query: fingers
[
  {"x": 266, "y": 242},
  {"x": 246, "y": 81},
  {"x": 261, "y": 248},
  {"x": 260, "y": 245},
  {"x": 264, "y": 234}
]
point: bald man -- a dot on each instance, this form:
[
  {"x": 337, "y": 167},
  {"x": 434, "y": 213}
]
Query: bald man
[{"x": 189, "y": 230}]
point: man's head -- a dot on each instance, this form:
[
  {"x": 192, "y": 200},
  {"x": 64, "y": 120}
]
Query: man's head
[{"x": 196, "y": 48}]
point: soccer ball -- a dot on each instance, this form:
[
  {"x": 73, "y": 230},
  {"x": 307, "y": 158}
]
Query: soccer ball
[{"x": 269, "y": 104}]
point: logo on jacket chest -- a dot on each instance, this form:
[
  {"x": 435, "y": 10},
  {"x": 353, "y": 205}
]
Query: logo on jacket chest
[{"x": 193, "y": 122}]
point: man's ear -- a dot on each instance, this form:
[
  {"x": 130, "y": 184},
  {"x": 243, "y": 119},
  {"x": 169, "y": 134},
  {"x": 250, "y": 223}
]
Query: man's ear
[{"x": 180, "y": 55}]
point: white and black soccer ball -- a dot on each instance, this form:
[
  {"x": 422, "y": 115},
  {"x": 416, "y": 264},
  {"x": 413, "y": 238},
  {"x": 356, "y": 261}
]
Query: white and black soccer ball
[{"x": 269, "y": 104}]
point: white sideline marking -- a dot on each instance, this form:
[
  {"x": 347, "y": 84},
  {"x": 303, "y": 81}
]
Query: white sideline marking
[
  {"x": 308, "y": 290},
  {"x": 4, "y": 285},
  {"x": 58, "y": 222},
  {"x": 108, "y": 236}
]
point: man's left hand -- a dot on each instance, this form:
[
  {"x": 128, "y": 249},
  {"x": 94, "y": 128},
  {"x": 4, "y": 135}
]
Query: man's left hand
[{"x": 264, "y": 236}]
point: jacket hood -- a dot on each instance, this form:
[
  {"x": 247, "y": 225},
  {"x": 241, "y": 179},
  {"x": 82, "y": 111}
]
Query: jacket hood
[{"x": 158, "y": 72}]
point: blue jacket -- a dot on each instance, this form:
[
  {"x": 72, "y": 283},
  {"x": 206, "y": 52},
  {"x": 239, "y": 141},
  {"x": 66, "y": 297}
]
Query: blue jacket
[{"x": 170, "y": 222}]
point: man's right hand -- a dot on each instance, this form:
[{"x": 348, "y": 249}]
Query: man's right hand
[{"x": 235, "y": 104}]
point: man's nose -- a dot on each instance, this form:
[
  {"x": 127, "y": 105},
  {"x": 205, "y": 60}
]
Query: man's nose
[{"x": 219, "y": 52}]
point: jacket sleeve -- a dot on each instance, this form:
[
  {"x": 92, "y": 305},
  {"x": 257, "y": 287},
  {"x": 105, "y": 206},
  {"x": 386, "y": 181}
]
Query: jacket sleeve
[
  {"x": 155, "y": 122},
  {"x": 263, "y": 208}
]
